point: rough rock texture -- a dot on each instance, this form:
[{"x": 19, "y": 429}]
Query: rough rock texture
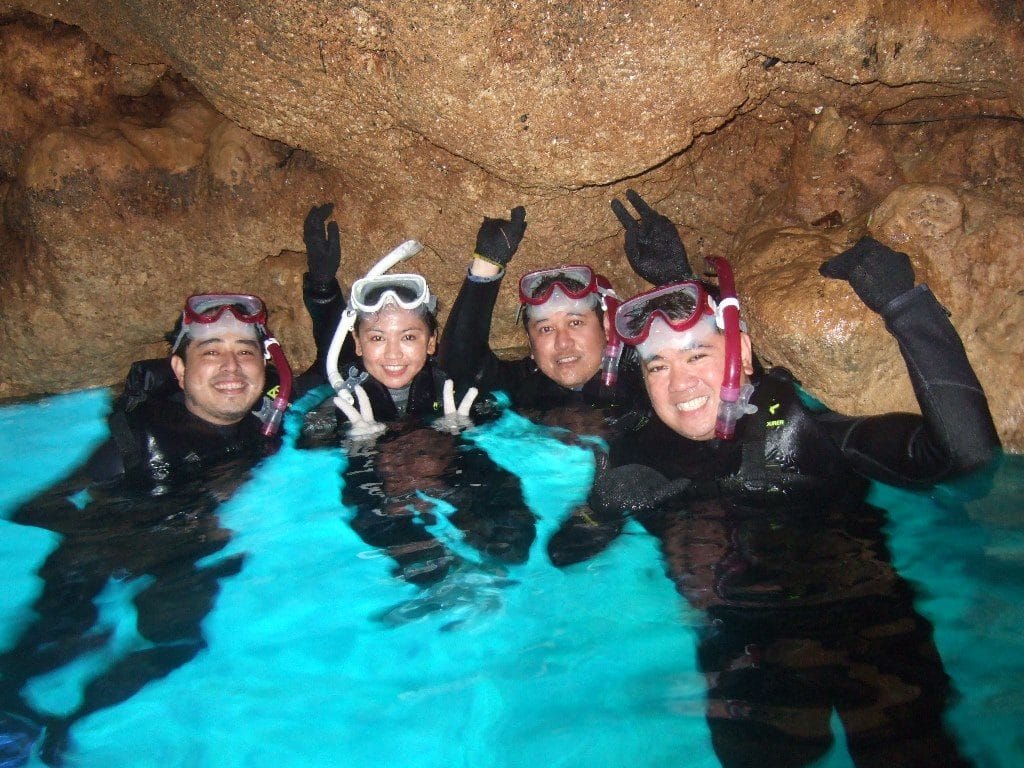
[{"x": 158, "y": 148}]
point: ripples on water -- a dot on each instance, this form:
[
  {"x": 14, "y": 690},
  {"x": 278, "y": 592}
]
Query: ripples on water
[{"x": 316, "y": 655}]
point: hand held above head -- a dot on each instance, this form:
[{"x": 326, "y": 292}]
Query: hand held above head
[
  {"x": 362, "y": 424},
  {"x": 653, "y": 246},
  {"x": 877, "y": 273},
  {"x": 498, "y": 239},
  {"x": 323, "y": 245}
]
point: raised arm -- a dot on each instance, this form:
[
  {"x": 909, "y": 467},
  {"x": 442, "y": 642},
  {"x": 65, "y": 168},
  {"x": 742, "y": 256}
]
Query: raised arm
[
  {"x": 464, "y": 352},
  {"x": 321, "y": 292},
  {"x": 955, "y": 433}
]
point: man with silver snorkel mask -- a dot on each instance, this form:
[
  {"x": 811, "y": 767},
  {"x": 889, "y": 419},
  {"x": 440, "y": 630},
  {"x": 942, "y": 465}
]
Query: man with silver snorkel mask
[{"x": 758, "y": 501}]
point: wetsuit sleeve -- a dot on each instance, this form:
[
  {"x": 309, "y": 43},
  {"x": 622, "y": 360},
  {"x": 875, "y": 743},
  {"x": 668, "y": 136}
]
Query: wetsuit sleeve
[
  {"x": 325, "y": 305},
  {"x": 464, "y": 351},
  {"x": 955, "y": 433}
]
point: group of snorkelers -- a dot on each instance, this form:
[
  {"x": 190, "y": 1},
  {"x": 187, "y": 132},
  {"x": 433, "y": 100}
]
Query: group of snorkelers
[{"x": 708, "y": 451}]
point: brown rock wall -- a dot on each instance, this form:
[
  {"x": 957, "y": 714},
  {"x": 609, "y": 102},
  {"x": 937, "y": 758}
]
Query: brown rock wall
[{"x": 181, "y": 149}]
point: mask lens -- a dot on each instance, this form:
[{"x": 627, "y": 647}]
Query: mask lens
[
  {"x": 370, "y": 294},
  {"x": 208, "y": 308},
  {"x": 680, "y": 305},
  {"x": 576, "y": 282}
]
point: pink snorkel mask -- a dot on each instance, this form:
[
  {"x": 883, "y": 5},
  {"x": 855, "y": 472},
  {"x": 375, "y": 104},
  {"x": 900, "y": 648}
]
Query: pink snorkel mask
[
  {"x": 245, "y": 314},
  {"x": 576, "y": 287},
  {"x": 675, "y": 314}
]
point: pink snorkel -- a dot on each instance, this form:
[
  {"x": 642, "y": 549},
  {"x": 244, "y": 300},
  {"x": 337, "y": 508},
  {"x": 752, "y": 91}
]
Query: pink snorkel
[
  {"x": 273, "y": 411},
  {"x": 613, "y": 347},
  {"x": 734, "y": 398}
]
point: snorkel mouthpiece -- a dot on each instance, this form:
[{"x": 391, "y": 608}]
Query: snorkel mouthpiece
[{"x": 734, "y": 399}]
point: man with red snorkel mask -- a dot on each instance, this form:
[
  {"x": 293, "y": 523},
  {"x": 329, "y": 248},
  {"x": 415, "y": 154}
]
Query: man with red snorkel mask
[
  {"x": 140, "y": 519},
  {"x": 758, "y": 501},
  {"x": 179, "y": 415},
  {"x": 566, "y": 311}
]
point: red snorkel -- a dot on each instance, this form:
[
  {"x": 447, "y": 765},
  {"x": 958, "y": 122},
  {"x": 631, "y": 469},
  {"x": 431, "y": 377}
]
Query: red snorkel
[
  {"x": 727, "y": 314},
  {"x": 273, "y": 411},
  {"x": 613, "y": 348}
]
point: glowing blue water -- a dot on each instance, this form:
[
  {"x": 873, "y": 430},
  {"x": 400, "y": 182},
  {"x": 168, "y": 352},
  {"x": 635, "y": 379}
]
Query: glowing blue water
[{"x": 593, "y": 666}]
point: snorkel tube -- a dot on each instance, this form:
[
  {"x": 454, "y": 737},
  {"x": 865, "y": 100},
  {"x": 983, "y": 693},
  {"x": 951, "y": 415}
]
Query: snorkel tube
[
  {"x": 613, "y": 347},
  {"x": 273, "y": 410},
  {"x": 348, "y": 317},
  {"x": 734, "y": 400}
]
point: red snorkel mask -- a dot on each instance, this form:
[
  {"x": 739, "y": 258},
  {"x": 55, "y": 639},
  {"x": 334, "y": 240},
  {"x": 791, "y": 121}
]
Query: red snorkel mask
[
  {"x": 242, "y": 310},
  {"x": 680, "y": 307},
  {"x": 577, "y": 282}
]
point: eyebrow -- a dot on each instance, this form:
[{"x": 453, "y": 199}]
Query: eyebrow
[
  {"x": 687, "y": 348},
  {"x": 403, "y": 330},
  {"x": 547, "y": 318},
  {"x": 218, "y": 340}
]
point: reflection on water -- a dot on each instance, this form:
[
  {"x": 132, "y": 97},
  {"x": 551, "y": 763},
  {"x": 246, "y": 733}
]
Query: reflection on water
[{"x": 315, "y": 653}]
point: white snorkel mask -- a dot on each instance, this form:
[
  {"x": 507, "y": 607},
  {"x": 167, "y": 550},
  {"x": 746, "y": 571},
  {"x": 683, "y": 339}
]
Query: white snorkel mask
[{"x": 373, "y": 292}]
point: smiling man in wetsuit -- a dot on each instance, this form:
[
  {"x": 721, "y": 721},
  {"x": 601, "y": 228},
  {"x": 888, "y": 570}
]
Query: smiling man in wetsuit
[
  {"x": 573, "y": 358},
  {"x": 140, "y": 516},
  {"x": 758, "y": 502}
]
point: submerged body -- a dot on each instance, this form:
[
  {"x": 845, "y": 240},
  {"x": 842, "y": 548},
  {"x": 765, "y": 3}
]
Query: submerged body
[
  {"x": 147, "y": 520},
  {"x": 769, "y": 534}
]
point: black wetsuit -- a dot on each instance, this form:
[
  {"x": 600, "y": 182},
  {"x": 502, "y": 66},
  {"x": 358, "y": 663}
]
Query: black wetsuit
[
  {"x": 772, "y": 540},
  {"x": 467, "y": 357},
  {"x": 384, "y": 480},
  {"x": 150, "y": 513}
]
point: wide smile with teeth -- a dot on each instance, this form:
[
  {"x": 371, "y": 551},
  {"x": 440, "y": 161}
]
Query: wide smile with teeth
[
  {"x": 693, "y": 404},
  {"x": 231, "y": 387},
  {"x": 568, "y": 360},
  {"x": 394, "y": 370}
]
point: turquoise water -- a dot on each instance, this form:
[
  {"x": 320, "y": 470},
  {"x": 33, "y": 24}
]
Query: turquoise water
[{"x": 589, "y": 666}]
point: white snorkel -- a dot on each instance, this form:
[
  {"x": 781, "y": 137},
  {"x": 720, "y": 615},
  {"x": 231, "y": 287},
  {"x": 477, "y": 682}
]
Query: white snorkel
[{"x": 348, "y": 318}]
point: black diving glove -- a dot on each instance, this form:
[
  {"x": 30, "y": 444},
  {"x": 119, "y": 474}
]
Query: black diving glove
[
  {"x": 323, "y": 246},
  {"x": 635, "y": 488},
  {"x": 653, "y": 246},
  {"x": 876, "y": 272},
  {"x": 498, "y": 239}
]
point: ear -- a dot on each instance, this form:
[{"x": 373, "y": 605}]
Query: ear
[
  {"x": 432, "y": 343},
  {"x": 746, "y": 354},
  {"x": 178, "y": 366},
  {"x": 607, "y": 324},
  {"x": 359, "y": 347}
]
